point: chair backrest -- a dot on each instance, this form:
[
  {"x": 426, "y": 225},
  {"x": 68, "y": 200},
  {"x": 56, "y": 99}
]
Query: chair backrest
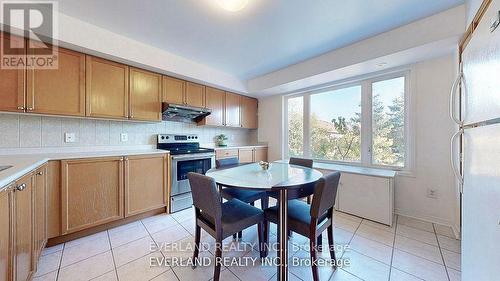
[
  {"x": 206, "y": 197},
  {"x": 226, "y": 162},
  {"x": 325, "y": 193},
  {"x": 308, "y": 163}
]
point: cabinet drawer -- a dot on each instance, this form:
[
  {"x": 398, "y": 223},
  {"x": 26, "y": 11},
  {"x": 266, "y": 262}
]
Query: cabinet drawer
[{"x": 226, "y": 153}]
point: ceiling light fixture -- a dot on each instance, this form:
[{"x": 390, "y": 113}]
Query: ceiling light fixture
[{"x": 232, "y": 5}]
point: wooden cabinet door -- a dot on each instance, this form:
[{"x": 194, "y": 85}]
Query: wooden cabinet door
[
  {"x": 92, "y": 192},
  {"x": 145, "y": 95},
  {"x": 173, "y": 90},
  {"x": 246, "y": 155},
  {"x": 23, "y": 219},
  {"x": 145, "y": 183},
  {"x": 58, "y": 91},
  {"x": 53, "y": 199},
  {"x": 248, "y": 112},
  {"x": 106, "y": 88},
  {"x": 260, "y": 154},
  {"x": 12, "y": 86},
  {"x": 195, "y": 94},
  {"x": 6, "y": 233},
  {"x": 215, "y": 102},
  {"x": 232, "y": 110},
  {"x": 40, "y": 199}
]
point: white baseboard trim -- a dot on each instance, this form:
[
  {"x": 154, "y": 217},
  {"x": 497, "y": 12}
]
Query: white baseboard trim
[{"x": 431, "y": 219}]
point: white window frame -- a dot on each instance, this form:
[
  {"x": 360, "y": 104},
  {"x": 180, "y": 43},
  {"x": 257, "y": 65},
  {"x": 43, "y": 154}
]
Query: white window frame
[{"x": 366, "y": 119}]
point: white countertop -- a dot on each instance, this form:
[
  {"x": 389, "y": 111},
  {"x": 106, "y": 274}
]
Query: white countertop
[
  {"x": 25, "y": 163},
  {"x": 238, "y": 146}
]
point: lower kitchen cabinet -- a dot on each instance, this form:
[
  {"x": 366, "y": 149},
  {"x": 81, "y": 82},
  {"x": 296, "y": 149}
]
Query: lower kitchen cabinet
[
  {"x": 6, "y": 233},
  {"x": 91, "y": 192},
  {"x": 23, "y": 232},
  {"x": 23, "y": 217},
  {"x": 64, "y": 197},
  {"x": 246, "y": 155},
  {"x": 40, "y": 211},
  {"x": 145, "y": 183},
  {"x": 260, "y": 154}
]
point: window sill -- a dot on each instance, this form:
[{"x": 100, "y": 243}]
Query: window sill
[{"x": 353, "y": 169}]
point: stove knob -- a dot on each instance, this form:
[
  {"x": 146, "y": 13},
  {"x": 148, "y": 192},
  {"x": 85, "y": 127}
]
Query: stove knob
[
  {"x": 167, "y": 137},
  {"x": 162, "y": 137},
  {"x": 195, "y": 137}
]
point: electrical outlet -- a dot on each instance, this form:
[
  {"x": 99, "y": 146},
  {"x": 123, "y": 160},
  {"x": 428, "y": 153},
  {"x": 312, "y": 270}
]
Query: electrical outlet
[
  {"x": 432, "y": 193},
  {"x": 69, "y": 137},
  {"x": 124, "y": 137}
]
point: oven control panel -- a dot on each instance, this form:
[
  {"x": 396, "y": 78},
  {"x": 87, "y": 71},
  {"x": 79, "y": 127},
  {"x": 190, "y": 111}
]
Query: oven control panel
[{"x": 177, "y": 138}]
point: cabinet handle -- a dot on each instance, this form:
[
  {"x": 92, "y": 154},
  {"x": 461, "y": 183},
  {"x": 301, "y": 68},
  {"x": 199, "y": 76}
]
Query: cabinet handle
[
  {"x": 20, "y": 107},
  {"x": 21, "y": 187},
  {"x": 39, "y": 174}
]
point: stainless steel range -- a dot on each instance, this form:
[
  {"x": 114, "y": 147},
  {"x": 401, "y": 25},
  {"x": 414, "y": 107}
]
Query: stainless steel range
[{"x": 187, "y": 156}]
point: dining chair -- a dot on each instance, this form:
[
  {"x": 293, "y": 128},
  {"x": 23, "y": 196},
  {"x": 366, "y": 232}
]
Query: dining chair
[
  {"x": 247, "y": 196},
  {"x": 311, "y": 220},
  {"x": 308, "y": 163},
  {"x": 221, "y": 220}
]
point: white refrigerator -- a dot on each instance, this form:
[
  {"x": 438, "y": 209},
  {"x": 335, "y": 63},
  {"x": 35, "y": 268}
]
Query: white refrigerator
[{"x": 479, "y": 170}]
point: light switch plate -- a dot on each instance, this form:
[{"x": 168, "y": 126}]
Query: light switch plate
[
  {"x": 69, "y": 137},
  {"x": 124, "y": 137}
]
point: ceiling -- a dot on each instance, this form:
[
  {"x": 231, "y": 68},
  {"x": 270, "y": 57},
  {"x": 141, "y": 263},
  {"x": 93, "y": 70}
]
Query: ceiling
[{"x": 265, "y": 36}]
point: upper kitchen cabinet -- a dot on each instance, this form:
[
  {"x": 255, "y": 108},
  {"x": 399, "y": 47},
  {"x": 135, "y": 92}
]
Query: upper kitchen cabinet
[
  {"x": 248, "y": 110},
  {"x": 59, "y": 91},
  {"x": 195, "y": 94},
  {"x": 232, "y": 112},
  {"x": 106, "y": 88},
  {"x": 173, "y": 90},
  {"x": 214, "y": 99},
  {"x": 12, "y": 86},
  {"x": 145, "y": 95}
]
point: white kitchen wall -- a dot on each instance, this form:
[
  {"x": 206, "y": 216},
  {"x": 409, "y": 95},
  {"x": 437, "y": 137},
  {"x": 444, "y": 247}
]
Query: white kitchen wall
[
  {"x": 431, "y": 83},
  {"x": 31, "y": 131}
]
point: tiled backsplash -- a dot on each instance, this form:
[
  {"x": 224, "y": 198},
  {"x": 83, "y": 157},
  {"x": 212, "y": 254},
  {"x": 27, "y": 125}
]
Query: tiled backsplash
[{"x": 30, "y": 131}]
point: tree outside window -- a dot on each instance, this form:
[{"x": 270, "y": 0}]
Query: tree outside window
[{"x": 336, "y": 125}]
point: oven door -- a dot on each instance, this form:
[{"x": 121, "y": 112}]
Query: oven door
[{"x": 183, "y": 164}]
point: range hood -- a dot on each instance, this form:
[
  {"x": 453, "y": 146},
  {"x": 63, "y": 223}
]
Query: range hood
[{"x": 183, "y": 113}]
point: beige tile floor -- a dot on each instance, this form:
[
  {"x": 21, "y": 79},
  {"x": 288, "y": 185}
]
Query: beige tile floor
[{"x": 410, "y": 250}]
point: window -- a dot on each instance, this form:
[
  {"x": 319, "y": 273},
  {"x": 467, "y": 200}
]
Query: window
[
  {"x": 363, "y": 123},
  {"x": 388, "y": 117},
  {"x": 296, "y": 126},
  {"x": 336, "y": 125}
]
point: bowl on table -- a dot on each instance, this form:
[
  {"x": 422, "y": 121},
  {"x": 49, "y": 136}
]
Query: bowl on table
[{"x": 264, "y": 165}]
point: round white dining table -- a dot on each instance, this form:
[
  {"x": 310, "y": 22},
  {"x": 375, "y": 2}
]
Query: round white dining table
[{"x": 282, "y": 178}]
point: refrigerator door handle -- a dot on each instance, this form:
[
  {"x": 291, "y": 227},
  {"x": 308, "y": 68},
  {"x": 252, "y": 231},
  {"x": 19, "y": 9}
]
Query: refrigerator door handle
[
  {"x": 457, "y": 82},
  {"x": 454, "y": 167}
]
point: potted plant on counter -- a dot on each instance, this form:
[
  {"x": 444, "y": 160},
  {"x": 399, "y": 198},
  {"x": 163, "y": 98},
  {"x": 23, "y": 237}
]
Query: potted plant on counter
[{"x": 221, "y": 140}]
